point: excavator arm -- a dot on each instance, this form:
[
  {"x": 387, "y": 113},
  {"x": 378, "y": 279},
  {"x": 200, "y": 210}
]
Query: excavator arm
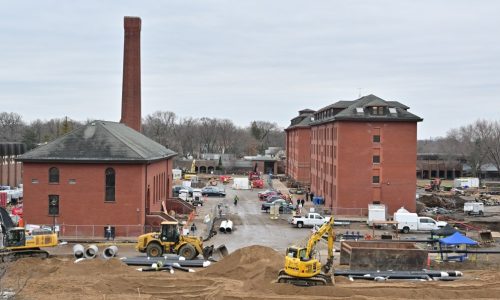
[{"x": 326, "y": 228}]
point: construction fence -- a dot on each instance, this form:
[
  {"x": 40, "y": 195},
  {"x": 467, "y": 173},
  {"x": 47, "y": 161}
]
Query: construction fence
[{"x": 99, "y": 231}]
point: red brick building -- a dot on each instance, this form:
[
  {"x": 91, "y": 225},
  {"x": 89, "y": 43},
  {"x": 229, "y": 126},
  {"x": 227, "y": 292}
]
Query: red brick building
[
  {"x": 298, "y": 148},
  {"x": 102, "y": 173},
  {"x": 363, "y": 151}
]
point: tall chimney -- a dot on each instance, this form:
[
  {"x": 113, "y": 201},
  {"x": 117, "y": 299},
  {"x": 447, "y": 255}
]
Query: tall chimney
[{"x": 131, "y": 90}]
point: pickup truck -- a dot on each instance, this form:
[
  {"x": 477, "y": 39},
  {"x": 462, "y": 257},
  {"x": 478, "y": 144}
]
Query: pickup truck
[
  {"x": 412, "y": 222},
  {"x": 309, "y": 220}
]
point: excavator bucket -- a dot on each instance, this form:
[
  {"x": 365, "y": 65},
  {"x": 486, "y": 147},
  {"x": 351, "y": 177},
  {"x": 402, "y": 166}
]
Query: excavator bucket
[{"x": 215, "y": 254}]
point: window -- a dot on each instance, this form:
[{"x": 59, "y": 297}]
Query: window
[
  {"x": 53, "y": 175},
  {"x": 53, "y": 205},
  {"x": 110, "y": 184},
  {"x": 377, "y": 110},
  {"x": 375, "y": 179},
  {"x": 376, "y": 138},
  {"x": 376, "y": 159}
]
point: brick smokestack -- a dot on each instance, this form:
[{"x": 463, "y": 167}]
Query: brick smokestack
[{"x": 131, "y": 90}]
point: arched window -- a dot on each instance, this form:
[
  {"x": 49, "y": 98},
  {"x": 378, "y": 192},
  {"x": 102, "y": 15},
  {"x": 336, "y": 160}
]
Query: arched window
[
  {"x": 53, "y": 175},
  {"x": 110, "y": 184}
]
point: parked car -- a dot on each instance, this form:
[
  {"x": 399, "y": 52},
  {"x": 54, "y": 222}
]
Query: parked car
[
  {"x": 264, "y": 194},
  {"x": 176, "y": 190},
  {"x": 283, "y": 205},
  {"x": 273, "y": 198},
  {"x": 212, "y": 191}
]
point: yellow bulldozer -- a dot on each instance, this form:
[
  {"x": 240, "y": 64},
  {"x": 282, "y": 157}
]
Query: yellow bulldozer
[
  {"x": 169, "y": 240},
  {"x": 302, "y": 268}
]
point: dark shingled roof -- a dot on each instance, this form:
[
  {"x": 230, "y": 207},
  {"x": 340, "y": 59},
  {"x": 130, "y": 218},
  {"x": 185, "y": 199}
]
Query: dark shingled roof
[
  {"x": 100, "y": 141},
  {"x": 302, "y": 120},
  {"x": 350, "y": 113}
]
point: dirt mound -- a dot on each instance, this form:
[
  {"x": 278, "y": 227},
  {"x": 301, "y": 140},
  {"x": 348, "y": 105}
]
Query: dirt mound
[
  {"x": 444, "y": 201},
  {"x": 255, "y": 265}
]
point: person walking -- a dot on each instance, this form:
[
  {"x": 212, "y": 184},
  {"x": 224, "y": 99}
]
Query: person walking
[{"x": 236, "y": 200}]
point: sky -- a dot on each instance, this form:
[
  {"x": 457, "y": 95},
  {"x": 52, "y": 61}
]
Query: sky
[{"x": 253, "y": 60}]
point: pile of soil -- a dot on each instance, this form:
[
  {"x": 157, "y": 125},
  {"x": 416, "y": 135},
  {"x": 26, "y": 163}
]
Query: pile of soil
[
  {"x": 444, "y": 201},
  {"x": 256, "y": 266}
]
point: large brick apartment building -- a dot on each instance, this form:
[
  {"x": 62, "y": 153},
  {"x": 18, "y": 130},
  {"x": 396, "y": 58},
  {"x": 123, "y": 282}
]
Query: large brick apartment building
[{"x": 361, "y": 151}]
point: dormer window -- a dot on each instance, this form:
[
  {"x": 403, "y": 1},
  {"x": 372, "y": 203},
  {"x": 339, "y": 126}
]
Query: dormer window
[{"x": 377, "y": 110}]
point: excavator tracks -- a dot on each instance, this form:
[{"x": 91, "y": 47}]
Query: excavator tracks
[
  {"x": 319, "y": 279},
  {"x": 9, "y": 256}
]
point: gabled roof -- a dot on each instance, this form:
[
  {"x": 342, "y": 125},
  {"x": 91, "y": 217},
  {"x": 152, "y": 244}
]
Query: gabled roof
[
  {"x": 100, "y": 141},
  {"x": 351, "y": 113}
]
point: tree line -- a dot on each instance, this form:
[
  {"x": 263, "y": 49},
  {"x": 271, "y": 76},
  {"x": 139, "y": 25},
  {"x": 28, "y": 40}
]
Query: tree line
[
  {"x": 186, "y": 136},
  {"x": 475, "y": 144}
]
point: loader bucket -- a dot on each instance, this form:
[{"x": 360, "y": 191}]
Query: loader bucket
[
  {"x": 208, "y": 252},
  {"x": 215, "y": 254},
  {"x": 486, "y": 236}
]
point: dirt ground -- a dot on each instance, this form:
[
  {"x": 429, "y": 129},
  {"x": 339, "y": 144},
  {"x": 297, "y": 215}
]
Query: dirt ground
[
  {"x": 248, "y": 273},
  {"x": 256, "y": 249}
]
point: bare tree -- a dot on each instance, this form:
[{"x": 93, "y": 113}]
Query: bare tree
[
  {"x": 160, "y": 126},
  {"x": 11, "y": 127},
  {"x": 470, "y": 142},
  {"x": 226, "y": 136},
  {"x": 493, "y": 144}
]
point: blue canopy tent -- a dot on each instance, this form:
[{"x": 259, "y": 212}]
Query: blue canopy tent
[{"x": 456, "y": 239}]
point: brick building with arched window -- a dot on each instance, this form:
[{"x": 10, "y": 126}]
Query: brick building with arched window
[{"x": 102, "y": 173}]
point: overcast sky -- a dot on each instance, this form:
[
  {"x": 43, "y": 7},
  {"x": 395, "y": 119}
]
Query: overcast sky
[{"x": 253, "y": 60}]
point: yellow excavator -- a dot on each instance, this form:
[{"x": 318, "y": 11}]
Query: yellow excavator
[
  {"x": 302, "y": 268},
  {"x": 18, "y": 243},
  {"x": 192, "y": 172}
]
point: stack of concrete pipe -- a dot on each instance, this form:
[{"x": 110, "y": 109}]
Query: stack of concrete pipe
[
  {"x": 226, "y": 226},
  {"x": 92, "y": 252}
]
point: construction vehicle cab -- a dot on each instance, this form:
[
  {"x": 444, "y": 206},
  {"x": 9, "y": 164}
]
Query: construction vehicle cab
[
  {"x": 170, "y": 240},
  {"x": 188, "y": 175},
  {"x": 302, "y": 268}
]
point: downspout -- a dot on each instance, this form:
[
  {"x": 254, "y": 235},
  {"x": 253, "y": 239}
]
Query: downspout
[{"x": 145, "y": 194}]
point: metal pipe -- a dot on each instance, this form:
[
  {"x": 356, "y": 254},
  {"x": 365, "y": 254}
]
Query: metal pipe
[
  {"x": 222, "y": 227},
  {"x": 397, "y": 274},
  {"x": 91, "y": 252},
  {"x": 466, "y": 251},
  {"x": 144, "y": 261},
  {"x": 229, "y": 226},
  {"x": 78, "y": 251},
  {"x": 110, "y": 252}
]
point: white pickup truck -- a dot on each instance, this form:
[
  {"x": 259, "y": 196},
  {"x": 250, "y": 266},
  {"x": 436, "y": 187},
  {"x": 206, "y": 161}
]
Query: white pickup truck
[
  {"x": 310, "y": 220},
  {"x": 408, "y": 221}
]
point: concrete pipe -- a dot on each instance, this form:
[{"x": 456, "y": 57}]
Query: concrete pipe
[
  {"x": 110, "y": 252},
  {"x": 91, "y": 251},
  {"x": 78, "y": 251},
  {"x": 222, "y": 227},
  {"x": 229, "y": 226}
]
